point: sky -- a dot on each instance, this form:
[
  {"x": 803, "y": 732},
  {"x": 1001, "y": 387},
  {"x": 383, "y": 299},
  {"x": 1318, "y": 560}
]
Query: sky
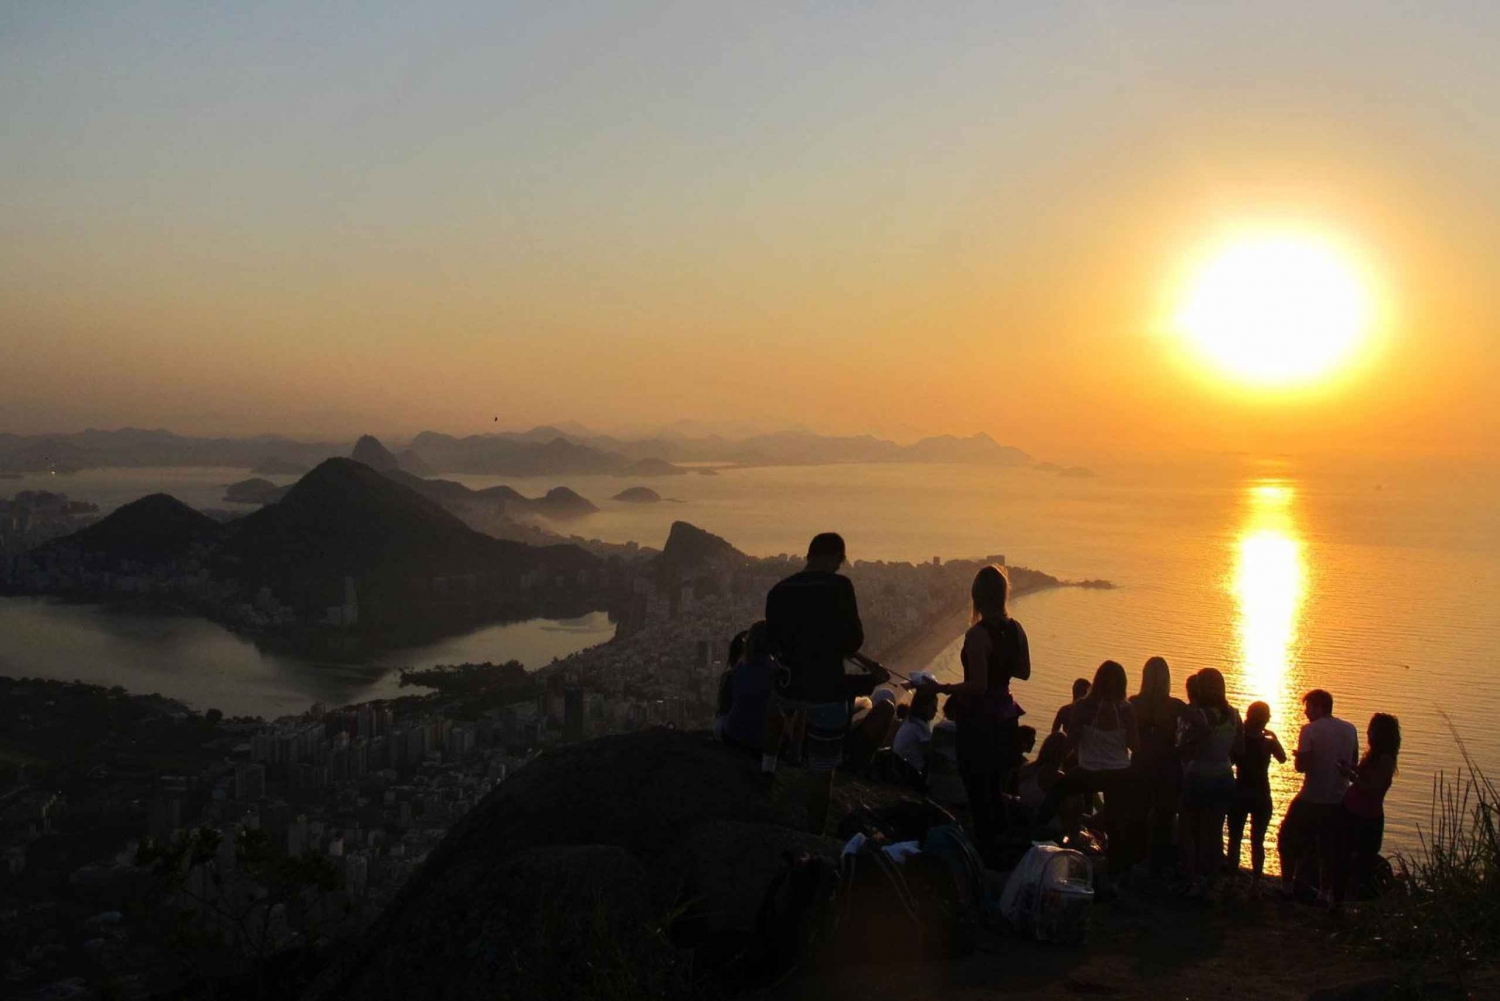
[{"x": 329, "y": 218}]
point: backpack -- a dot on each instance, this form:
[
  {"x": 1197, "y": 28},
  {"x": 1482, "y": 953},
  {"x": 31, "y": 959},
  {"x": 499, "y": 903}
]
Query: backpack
[
  {"x": 930, "y": 903},
  {"x": 1049, "y": 894},
  {"x": 788, "y": 923},
  {"x": 877, "y": 914}
]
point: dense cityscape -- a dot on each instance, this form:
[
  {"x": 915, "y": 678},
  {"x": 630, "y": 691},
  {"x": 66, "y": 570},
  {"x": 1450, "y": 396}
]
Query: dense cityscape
[{"x": 273, "y": 835}]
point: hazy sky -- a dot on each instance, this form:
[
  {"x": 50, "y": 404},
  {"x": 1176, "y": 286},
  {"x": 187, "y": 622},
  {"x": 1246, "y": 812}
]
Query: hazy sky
[{"x": 949, "y": 216}]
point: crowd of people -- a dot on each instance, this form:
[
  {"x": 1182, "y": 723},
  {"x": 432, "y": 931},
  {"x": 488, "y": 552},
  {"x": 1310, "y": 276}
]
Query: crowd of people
[{"x": 1165, "y": 781}]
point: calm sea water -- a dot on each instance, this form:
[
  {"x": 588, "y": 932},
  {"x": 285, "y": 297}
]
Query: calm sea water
[{"x": 1380, "y": 583}]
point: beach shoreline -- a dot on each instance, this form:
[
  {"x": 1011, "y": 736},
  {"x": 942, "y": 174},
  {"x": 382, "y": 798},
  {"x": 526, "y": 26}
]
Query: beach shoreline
[{"x": 917, "y": 649}]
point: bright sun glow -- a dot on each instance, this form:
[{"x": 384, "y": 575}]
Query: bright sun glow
[{"x": 1276, "y": 310}]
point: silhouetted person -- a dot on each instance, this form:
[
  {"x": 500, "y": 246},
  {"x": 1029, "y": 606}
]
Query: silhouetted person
[
  {"x": 1214, "y": 737},
  {"x": 1035, "y": 780},
  {"x": 743, "y": 723},
  {"x": 726, "y": 693},
  {"x": 1157, "y": 765},
  {"x": 1080, "y": 690},
  {"x": 914, "y": 740},
  {"x": 1252, "y": 788},
  {"x": 812, "y": 620},
  {"x": 995, "y": 650},
  {"x": 1327, "y": 748},
  {"x": 873, "y": 731},
  {"x": 1102, "y": 729},
  {"x": 1363, "y": 821}
]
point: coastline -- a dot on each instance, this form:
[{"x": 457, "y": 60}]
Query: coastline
[{"x": 917, "y": 649}]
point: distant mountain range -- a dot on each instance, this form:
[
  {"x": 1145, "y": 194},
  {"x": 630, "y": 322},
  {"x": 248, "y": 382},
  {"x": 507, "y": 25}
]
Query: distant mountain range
[
  {"x": 541, "y": 451},
  {"x": 134, "y": 447},
  {"x": 342, "y": 520},
  {"x": 479, "y": 508}
]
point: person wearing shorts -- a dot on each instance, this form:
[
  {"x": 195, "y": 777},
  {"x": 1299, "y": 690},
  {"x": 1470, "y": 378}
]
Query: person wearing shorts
[{"x": 812, "y": 619}]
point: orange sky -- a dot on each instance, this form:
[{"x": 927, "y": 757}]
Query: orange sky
[{"x": 855, "y": 221}]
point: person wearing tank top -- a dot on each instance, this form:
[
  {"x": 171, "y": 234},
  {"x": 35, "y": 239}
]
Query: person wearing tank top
[
  {"x": 1252, "y": 791},
  {"x": 1212, "y": 738},
  {"x": 1103, "y": 730},
  {"x": 995, "y": 651},
  {"x": 1363, "y": 820}
]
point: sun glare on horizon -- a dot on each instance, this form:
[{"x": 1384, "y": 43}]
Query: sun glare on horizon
[{"x": 1275, "y": 311}]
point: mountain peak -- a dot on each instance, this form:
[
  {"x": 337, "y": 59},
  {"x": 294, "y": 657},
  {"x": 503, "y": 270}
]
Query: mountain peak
[
  {"x": 690, "y": 548},
  {"x": 372, "y": 453},
  {"x": 155, "y": 529}
]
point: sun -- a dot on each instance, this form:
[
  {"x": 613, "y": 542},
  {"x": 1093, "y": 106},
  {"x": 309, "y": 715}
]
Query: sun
[{"x": 1275, "y": 310}]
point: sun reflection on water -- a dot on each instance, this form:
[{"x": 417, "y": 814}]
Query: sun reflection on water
[{"x": 1269, "y": 588}]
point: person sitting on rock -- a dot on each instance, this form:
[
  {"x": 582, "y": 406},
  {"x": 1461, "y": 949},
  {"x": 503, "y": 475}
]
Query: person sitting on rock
[
  {"x": 1080, "y": 692},
  {"x": 743, "y": 723},
  {"x": 872, "y": 731},
  {"x": 812, "y": 619},
  {"x": 913, "y": 741},
  {"x": 726, "y": 693},
  {"x": 1036, "y": 779}
]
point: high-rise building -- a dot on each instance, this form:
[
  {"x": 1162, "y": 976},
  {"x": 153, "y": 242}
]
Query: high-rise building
[
  {"x": 365, "y": 726},
  {"x": 573, "y": 714},
  {"x": 296, "y": 836},
  {"x": 356, "y": 874},
  {"x": 229, "y": 841},
  {"x": 249, "y": 782},
  {"x": 165, "y": 818}
]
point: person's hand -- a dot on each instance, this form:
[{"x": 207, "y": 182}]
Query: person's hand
[{"x": 880, "y": 674}]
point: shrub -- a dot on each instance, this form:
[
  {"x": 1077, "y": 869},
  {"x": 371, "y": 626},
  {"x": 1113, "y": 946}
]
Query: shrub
[{"x": 1443, "y": 908}]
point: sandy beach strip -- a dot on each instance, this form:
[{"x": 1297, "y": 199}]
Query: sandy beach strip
[{"x": 915, "y": 650}]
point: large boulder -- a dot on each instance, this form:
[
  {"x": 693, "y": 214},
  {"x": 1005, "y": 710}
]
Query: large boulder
[{"x": 643, "y": 846}]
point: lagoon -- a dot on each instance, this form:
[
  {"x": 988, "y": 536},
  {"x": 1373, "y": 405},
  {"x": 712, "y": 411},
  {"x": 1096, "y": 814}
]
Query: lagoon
[{"x": 207, "y": 666}]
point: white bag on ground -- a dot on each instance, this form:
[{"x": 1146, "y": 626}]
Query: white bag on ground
[{"x": 1049, "y": 893}]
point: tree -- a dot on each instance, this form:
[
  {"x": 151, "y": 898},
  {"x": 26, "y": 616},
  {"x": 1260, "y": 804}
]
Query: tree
[{"x": 254, "y": 923}]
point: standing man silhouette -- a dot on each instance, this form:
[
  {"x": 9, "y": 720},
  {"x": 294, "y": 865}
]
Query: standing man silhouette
[{"x": 812, "y": 618}]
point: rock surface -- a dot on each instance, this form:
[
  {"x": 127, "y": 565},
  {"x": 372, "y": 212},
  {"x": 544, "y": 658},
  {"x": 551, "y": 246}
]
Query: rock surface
[{"x": 642, "y": 831}]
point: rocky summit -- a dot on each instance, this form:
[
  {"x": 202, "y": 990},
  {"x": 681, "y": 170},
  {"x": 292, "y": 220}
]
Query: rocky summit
[{"x": 594, "y": 871}]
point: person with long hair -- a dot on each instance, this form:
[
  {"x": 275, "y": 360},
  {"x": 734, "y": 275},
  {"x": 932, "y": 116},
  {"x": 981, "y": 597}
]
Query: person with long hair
[
  {"x": 1102, "y": 728},
  {"x": 1364, "y": 805},
  {"x": 995, "y": 652},
  {"x": 1158, "y": 769},
  {"x": 746, "y": 693},
  {"x": 1252, "y": 789},
  {"x": 1214, "y": 738}
]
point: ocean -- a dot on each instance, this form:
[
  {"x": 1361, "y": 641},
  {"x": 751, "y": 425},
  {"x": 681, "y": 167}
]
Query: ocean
[{"x": 1378, "y": 581}]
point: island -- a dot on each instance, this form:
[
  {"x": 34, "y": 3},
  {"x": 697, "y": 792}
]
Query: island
[
  {"x": 253, "y": 491},
  {"x": 637, "y": 495}
]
